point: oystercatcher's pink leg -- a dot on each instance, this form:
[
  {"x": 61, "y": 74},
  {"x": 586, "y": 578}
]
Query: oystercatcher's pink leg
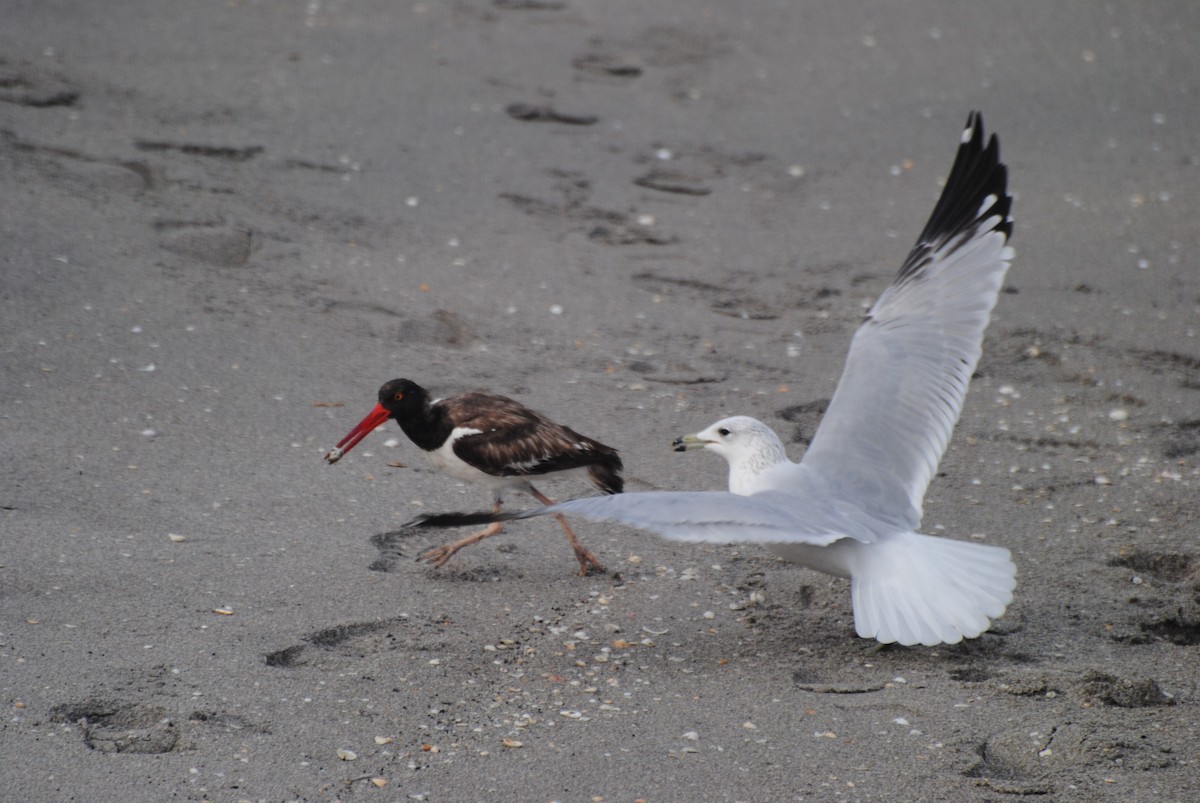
[
  {"x": 440, "y": 554},
  {"x": 587, "y": 561}
]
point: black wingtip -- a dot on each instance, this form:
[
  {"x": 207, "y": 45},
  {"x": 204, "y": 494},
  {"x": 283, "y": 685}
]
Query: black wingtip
[
  {"x": 441, "y": 520},
  {"x": 976, "y": 190}
]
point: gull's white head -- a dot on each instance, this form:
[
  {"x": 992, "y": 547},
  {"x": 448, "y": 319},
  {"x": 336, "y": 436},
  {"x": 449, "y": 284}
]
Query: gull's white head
[{"x": 747, "y": 444}]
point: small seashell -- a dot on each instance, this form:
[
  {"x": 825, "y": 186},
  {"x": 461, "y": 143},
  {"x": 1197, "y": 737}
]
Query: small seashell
[{"x": 346, "y": 755}]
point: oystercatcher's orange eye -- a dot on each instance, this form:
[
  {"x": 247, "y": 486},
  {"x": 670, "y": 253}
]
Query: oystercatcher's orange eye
[{"x": 399, "y": 396}]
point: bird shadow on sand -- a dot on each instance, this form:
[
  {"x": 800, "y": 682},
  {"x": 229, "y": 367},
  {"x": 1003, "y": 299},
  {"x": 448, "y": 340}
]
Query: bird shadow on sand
[
  {"x": 399, "y": 548},
  {"x": 391, "y": 549}
]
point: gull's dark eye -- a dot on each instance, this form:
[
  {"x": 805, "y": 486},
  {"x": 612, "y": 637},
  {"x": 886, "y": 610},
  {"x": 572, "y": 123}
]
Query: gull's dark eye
[
  {"x": 722, "y": 432},
  {"x": 399, "y": 396}
]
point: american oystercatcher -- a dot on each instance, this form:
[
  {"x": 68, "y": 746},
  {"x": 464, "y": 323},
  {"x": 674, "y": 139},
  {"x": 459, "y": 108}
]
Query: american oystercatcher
[
  {"x": 852, "y": 506},
  {"x": 492, "y": 441}
]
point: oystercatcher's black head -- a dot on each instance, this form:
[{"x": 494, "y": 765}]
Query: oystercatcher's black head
[{"x": 401, "y": 399}]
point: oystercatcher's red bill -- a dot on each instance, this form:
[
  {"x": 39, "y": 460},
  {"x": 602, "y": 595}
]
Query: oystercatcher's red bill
[{"x": 364, "y": 428}]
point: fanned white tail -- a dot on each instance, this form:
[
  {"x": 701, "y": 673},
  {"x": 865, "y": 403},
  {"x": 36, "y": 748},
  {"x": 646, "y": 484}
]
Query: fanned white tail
[{"x": 921, "y": 589}]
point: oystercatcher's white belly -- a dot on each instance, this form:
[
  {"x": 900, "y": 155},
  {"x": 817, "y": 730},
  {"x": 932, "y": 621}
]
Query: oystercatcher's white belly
[{"x": 444, "y": 459}]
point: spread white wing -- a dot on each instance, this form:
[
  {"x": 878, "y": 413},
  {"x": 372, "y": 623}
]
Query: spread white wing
[
  {"x": 909, "y": 364},
  {"x": 771, "y": 517}
]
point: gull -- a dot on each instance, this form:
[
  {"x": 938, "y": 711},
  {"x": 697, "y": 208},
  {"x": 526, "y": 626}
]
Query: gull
[
  {"x": 852, "y": 506},
  {"x": 491, "y": 441}
]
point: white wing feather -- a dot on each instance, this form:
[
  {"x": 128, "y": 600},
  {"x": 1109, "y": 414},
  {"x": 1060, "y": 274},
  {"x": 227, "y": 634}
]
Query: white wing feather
[
  {"x": 771, "y": 517},
  {"x": 909, "y": 364}
]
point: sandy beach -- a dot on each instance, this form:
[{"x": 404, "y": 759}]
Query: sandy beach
[{"x": 224, "y": 224}]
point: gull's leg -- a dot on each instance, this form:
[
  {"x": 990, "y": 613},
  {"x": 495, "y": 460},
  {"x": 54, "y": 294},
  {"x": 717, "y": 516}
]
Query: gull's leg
[
  {"x": 587, "y": 561},
  {"x": 440, "y": 554}
]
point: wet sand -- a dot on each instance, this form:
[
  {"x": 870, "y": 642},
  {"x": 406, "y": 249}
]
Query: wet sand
[{"x": 224, "y": 225}]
